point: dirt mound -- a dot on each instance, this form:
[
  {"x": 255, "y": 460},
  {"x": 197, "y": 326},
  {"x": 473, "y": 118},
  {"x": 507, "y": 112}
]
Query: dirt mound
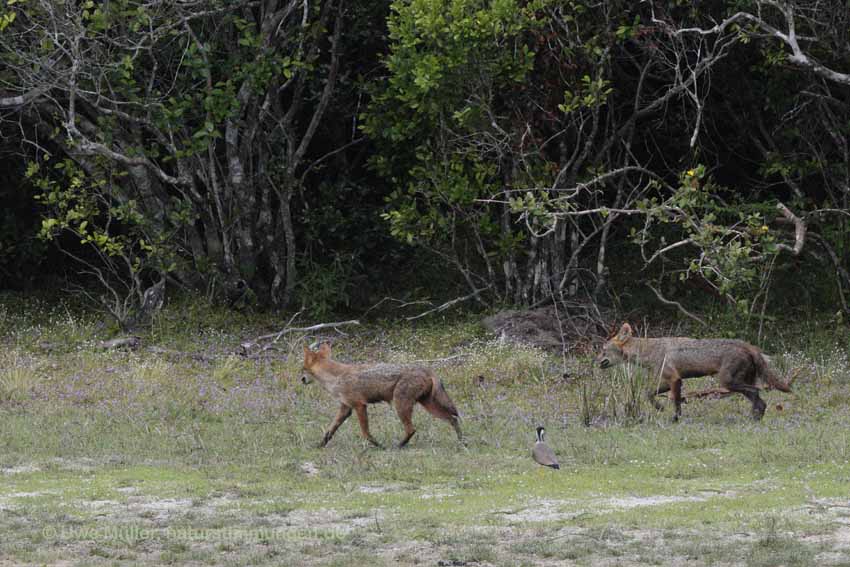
[{"x": 548, "y": 328}]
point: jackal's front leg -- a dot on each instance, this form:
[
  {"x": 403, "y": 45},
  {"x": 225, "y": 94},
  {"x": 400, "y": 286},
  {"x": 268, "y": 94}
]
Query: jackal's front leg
[
  {"x": 661, "y": 389},
  {"x": 404, "y": 409},
  {"x": 341, "y": 416},
  {"x": 363, "y": 417}
]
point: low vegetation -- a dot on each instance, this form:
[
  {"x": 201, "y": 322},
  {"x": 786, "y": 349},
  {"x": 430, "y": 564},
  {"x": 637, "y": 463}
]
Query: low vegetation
[{"x": 184, "y": 452}]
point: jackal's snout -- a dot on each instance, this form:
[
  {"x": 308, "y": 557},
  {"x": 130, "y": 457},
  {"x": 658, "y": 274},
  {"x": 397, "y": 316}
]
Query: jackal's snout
[
  {"x": 612, "y": 351},
  {"x": 602, "y": 360}
]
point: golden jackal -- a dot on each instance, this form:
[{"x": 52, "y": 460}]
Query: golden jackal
[
  {"x": 356, "y": 385},
  {"x": 670, "y": 360}
]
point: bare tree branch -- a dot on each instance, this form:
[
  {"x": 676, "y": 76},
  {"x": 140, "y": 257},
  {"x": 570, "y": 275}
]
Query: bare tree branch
[
  {"x": 799, "y": 230},
  {"x": 790, "y": 38},
  {"x": 677, "y": 305}
]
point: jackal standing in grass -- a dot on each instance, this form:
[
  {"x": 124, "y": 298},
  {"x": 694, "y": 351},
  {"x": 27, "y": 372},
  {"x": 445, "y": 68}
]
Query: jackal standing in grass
[
  {"x": 670, "y": 360},
  {"x": 357, "y": 385}
]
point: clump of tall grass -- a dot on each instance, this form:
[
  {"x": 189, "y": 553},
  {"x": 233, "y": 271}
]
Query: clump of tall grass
[
  {"x": 16, "y": 379},
  {"x": 618, "y": 396},
  {"x": 628, "y": 400},
  {"x": 590, "y": 398}
]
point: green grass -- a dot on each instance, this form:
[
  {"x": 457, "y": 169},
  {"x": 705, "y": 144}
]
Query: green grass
[{"x": 187, "y": 453}]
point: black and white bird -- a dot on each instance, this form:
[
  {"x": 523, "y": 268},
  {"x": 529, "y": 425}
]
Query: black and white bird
[{"x": 541, "y": 452}]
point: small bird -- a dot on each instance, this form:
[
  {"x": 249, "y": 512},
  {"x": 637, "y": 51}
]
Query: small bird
[{"x": 541, "y": 452}]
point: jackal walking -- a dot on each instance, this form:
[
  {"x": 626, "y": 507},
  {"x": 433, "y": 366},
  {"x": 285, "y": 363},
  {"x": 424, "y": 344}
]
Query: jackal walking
[
  {"x": 357, "y": 385},
  {"x": 670, "y": 360}
]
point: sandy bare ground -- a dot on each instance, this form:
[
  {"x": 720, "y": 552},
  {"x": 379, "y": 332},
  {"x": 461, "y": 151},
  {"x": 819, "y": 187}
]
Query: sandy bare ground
[{"x": 147, "y": 525}]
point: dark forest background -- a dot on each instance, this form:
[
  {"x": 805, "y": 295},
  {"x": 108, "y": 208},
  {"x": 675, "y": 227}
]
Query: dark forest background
[{"x": 330, "y": 154}]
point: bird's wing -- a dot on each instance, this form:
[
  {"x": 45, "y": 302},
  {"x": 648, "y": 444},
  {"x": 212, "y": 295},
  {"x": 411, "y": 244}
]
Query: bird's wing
[{"x": 544, "y": 455}]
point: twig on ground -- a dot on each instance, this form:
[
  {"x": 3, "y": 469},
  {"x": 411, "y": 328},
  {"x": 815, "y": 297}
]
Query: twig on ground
[
  {"x": 436, "y": 360},
  {"x": 448, "y": 304},
  {"x": 246, "y": 348},
  {"x": 276, "y": 336},
  {"x": 721, "y": 392},
  {"x": 401, "y": 304},
  {"x": 131, "y": 343},
  {"x": 181, "y": 354},
  {"x": 710, "y": 393}
]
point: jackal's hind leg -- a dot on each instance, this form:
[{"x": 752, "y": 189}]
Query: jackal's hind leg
[
  {"x": 404, "y": 409},
  {"x": 363, "y": 417},
  {"x": 741, "y": 379},
  {"x": 759, "y": 406},
  {"x": 341, "y": 416},
  {"x": 676, "y": 394},
  {"x": 455, "y": 421}
]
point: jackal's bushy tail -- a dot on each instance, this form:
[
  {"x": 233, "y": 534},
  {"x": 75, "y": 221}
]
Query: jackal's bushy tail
[
  {"x": 767, "y": 374},
  {"x": 439, "y": 403}
]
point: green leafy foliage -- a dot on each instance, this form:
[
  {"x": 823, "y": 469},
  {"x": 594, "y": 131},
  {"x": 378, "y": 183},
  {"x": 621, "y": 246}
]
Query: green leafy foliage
[
  {"x": 326, "y": 288},
  {"x": 84, "y": 205},
  {"x": 733, "y": 242},
  {"x": 542, "y": 143},
  {"x": 441, "y": 53}
]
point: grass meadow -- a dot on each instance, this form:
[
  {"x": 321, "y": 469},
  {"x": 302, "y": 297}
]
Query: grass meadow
[{"x": 183, "y": 452}]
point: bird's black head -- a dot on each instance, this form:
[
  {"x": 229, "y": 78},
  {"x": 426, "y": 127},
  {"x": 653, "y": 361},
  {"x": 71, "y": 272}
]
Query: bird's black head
[{"x": 540, "y": 431}]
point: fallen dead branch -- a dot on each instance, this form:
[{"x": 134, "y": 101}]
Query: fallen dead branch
[
  {"x": 720, "y": 392},
  {"x": 440, "y": 360},
  {"x": 199, "y": 356},
  {"x": 715, "y": 393},
  {"x": 793, "y": 376},
  {"x": 131, "y": 343},
  {"x": 449, "y": 304},
  {"x": 401, "y": 304},
  {"x": 265, "y": 342},
  {"x": 276, "y": 336}
]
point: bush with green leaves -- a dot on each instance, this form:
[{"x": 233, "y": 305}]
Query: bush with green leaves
[{"x": 122, "y": 250}]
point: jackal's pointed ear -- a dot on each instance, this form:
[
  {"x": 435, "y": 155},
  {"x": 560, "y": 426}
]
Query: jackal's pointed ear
[
  {"x": 308, "y": 354},
  {"x": 325, "y": 349},
  {"x": 624, "y": 333}
]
